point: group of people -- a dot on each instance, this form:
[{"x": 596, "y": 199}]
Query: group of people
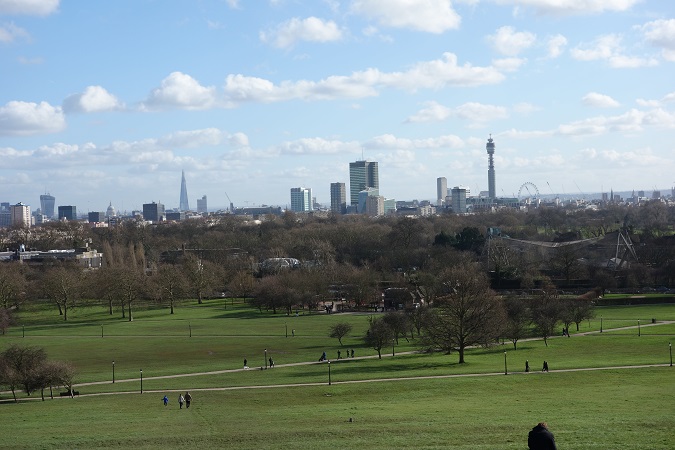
[
  {"x": 186, "y": 399},
  {"x": 543, "y": 369},
  {"x": 340, "y": 354},
  {"x": 566, "y": 332}
]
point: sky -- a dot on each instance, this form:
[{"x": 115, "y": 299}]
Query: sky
[{"x": 108, "y": 101}]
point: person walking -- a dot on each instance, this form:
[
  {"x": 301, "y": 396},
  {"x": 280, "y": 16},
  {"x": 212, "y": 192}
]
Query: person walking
[
  {"x": 527, "y": 365},
  {"x": 188, "y": 399},
  {"x": 339, "y": 354},
  {"x": 540, "y": 438},
  {"x": 545, "y": 368},
  {"x": 181, "y": 400},
  {"x": 245, "y": 364},
  {"x": 165, "y": 400}
]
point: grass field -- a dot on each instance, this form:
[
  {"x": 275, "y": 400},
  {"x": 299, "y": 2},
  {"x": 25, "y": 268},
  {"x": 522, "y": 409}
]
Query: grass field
[{"x": 473, "y": 405}]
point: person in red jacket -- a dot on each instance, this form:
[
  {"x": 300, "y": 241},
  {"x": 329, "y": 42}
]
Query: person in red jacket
[{"x": 540, "y": 438}]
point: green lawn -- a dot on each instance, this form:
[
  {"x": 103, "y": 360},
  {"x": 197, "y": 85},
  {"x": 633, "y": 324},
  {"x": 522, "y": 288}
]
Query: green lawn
[{"x": 615, "y": 408}]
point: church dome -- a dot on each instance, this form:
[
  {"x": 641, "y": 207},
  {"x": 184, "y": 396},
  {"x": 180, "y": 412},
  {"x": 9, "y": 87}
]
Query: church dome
[{"x": 111, "y": 211}]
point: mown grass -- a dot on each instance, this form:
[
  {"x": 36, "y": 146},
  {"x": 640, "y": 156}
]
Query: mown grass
[{"x": 629, "y": 408}]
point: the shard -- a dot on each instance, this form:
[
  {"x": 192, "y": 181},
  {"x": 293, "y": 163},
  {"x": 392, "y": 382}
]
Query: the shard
[{"x": 184, "y": 204}]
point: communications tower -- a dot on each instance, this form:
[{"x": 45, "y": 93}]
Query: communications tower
[{"x": 490, "y": 146}]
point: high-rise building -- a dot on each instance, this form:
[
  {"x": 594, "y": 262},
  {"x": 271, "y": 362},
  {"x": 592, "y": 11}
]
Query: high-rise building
[
  {"x": 154, "y": 212},
  {"x": 459, "y": 199},
  {"x": 301, "y": 199},
  {"x": 362, "y": 175},
  {"x": 201, "y": 205},
  {"x": 492, "y": 190},
  {"x": 20, "y": 215},
  {"x": 338, "y": 198},
  {"x": 375, "y": 205},
  {"x": 363, "y": 198},
  {"x": 67, "y": 212},
  {"x": 96, "y": 217},
  {"x": 184, "y": 204},
  {"x": 47, "y": 205},
  {"x": 441, "y": 190}
]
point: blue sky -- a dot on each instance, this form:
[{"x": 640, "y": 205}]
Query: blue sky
[{"x": 108, "y": 101}]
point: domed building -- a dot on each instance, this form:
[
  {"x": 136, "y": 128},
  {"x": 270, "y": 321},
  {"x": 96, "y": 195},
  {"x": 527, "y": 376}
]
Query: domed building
[{"x": 111, "y": 212}]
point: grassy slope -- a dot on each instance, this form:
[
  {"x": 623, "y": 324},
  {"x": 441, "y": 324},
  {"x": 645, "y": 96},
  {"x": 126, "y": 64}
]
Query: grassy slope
[{"x": 606, "y": 409}]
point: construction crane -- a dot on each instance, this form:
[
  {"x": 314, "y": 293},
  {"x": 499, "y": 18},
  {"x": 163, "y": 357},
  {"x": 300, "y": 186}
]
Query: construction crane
[
  {"x": 583, "y": 196},
  {"x": 231, "y": 205}
]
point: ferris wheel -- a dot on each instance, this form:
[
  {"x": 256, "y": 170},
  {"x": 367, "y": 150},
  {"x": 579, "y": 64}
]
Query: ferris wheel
[{"x": 528, "y": 190}]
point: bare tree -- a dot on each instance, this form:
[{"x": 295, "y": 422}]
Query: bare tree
[
  {"x": 340, "y": 330},
  {"x": 171, "y": 284},
  {"x": 546, "y": 311},
  {"x": 378, "y": 335},
  {"x": 21, "y": 368},
  {"x": 63, "y": 285},
  {"x": 518, "y": 319},
  {"x": 469, "y": 314}
]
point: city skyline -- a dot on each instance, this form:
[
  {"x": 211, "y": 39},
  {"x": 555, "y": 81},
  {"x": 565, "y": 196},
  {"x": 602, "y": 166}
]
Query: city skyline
[{"x": 252, "y": 101}]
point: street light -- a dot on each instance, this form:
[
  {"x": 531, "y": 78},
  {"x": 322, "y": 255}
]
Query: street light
[
  {"x": 101, "y": 330},
  {"x": 638, "y": 327},
  {"x": 328, "y": 373},
  {"x": 505, "y": 369},
  {"x": 393, "y": 341},
  {"x": 601, "y": 324},
  {"x": 141, "y": 381},
  {"x": 113, "y": 370},
  {"x": 670, "y": 348},
  {"x": 265, "y": 358},
  {"x": 286, "y": 325}
]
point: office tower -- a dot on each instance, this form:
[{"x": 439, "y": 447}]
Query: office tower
[
  {"x": 20, "y": 215},
  {"x": 201, "y": 205},
  {"x": 154, "y": 212},
  {"x": 96, "y": 216},
  {"x": 441, "y": 190},
  {"x": 338, "y": 198},
  {"x": 301, "y": 199},
  {"x": 375, "y": 205},
  {"x": 184, "y": 204},
  {"x": 362, "y": 175},
  {"x": 459, "y": 199},
  {"x": 363, "y": 198},
  {"x": 490, "y": 146},
  {"x": 68, "y": 212},
  {"x": 47, "y": 205}
]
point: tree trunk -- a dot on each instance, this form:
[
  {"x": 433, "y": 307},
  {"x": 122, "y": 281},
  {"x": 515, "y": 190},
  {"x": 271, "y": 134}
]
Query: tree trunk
[
  {"x": 171, "y": 303},
  {"x": 110, "y": 306},
  {"x": 65, "y": 311},
  {"x": 130, "y": 317},
  {"x": 461, "y": 355}
]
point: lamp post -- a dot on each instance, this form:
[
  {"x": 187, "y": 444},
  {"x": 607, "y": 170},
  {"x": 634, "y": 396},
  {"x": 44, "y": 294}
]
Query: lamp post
[
  {"x": 113, "y": 370},
  {"x": 190, "y": 328},
  {"x": 393, "y": 342},
  {"x": 601, "y": 324},
  {"x": 329, "y": 373},
  {"x": 286, "y": 325},
  {"x": 505, "y": 369},
  {"x": 265, "y": 358},
  {"x": 141, "y": 381},
  {"x": 670, "y": 348},
  {"x": 101, "y": 330},
  {"x": 638, "y": 327}
]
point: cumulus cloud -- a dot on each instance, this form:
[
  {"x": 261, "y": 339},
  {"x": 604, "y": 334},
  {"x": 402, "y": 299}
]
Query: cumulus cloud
[
  {"x": 599, "y": 100},
  {"x": 193, "y": 138},
  {"x": 608, "y": 48},
  {"x": 316, "y": 146},
  {"x": 510, "y": 42},
  {"x": 432, "y": 16},
  {"x": 432, "y": 112},
  {"x": 311, "y": 29},
  {"x": 181, "y": 91},
  {"x": 479, "y": 113},
  {"x": 28, "y": 7},
  {"x": 93, "y": 99},
  {"x": 26, "y": 118},
  {"x": 10, "y": 32},
  {"x": 632, "y": 121},
  {"x": 661, "y": 33},
  {"x": 555, "y": 45},
  {"x": 391, "y": 142},
  {"x": 571, "y": 7}
]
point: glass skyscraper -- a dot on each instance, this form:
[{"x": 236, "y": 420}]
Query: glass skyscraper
[{"x": 362, "y": 175}]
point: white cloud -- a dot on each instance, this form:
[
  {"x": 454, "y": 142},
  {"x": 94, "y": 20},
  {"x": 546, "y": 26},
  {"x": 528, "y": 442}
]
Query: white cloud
[
  {"x": 555, "y": 45},
  {"x": 434, "y": 74},
  {"x": 193, "y": 138},
  {"x": 508, "y": 64},
  {"x": 311, "y": 29},
  {"x": 609, "y": 48},
  {"x": 432, "y": 16},
  {"x": 10, "y": 32},
  {"x": 510, "y": 42},
  {"x": 479, "y": 113},
  {"x": 599, "y": 100},
  {"x": 391, "y": 142},
  {"x": 93, "y": 99},
  {"x": 317, "y": 146},
  {"x": 632, "y": 121},
  {"x": 234, "y": 4},
  {"x": 180, "y": 90},
  {"x": 661, "y": 33},
  {"x": 525, "y": 108},
  {"x": 25, "y": 118},
  {"x": 571, "y": 7},
  {"x": 432, "y": 112},
  {"x": 28, "y": 7}
]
